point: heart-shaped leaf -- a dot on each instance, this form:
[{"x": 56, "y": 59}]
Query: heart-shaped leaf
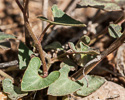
[
  {"x": 14, "y": 92},
  {"x": 33, "y": 81},
  {"x": 73, "y": 66},
  {"x": 63, "y": 86},
  {"x": 24, "y": 54},
  {"x": 4, "y": 36},
  {"x": 100, "y": 4},
  {"x": 115, "y": 30},
  {"x": 60, "y": 18},
  {"x": 54, "y": 45},
  {"x": 94, "y": 83}
]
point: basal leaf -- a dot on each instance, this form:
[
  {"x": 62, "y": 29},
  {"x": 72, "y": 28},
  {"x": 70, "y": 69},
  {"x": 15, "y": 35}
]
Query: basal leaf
[
  {"x": 24, "y": 54},
  {"x": 94, "y": 83},
  {"x": 14, "y": 92},
  {"x": 100, "y": 4},
  {"x": 33, "y": 81},
  {"x": 54, "y": 45},
  {"x": 63, "y": 86},
  {"x": 4, "y": 36},
  {"x": 60, "y": 18},
  {"x": 115, "y": 30}
]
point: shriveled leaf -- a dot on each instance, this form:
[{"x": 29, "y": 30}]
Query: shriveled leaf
[
  {"x": 60, "y": 18},
  {"x": 94, "y": 82},
  {"x": 24, "y": 54},
  {"x": 85, "y": 39},
  {"x": 72, "y": 46},
  {"x": 4, "y": 36},
  {"x": 85, "y": 49},
  {"x": 14, "y": 92},
  {"x": 82, "y": 52},
  {"x": 54, "y": 45},
  {"x": 115, "y": 30},
  {"x": 33, "y": 81},
  {"x": 100, "y": 4},
  {"x": 63, "y": 86}
]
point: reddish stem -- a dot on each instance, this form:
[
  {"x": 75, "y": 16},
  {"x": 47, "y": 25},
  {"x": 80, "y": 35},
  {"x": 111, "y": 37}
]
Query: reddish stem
[
  {"x": 37, "y": 43},
  {"x": 43, "y": 33}
]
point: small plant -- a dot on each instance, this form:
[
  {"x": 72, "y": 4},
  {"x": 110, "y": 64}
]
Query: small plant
[{"x": 79, "y": 54}]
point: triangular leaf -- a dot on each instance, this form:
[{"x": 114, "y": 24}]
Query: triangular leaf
[
  {"x": 60, "y": 18},
  {"x": 33, "y": 81},
  {"x": 63, "y": 86},
  {"x": 100, "y": 4},
  {"x": 24, "y": 54},
  {"x": 115, "y": 30},
  {"x": 14, "y": 92},
  {"x": 4, "y": 36},
  {"x": 94, "y": 83}
]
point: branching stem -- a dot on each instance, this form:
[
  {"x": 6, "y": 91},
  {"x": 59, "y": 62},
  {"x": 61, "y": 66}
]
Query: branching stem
[
  {"x": 43, "y": 33},
  {"x": 37, "y": 43},
  {"x": 39, "y": 47}
]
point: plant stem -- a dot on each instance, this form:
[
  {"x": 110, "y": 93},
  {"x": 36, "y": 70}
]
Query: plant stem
[
  {"x": 2, "y": 73},
  {"x": 20, "y": 6},
  {"x": 38, "y": 45},
  {"x": 24, "y": 11},
  {"x": 26, "y": 16},
  {"x": 43, "y": 33},
  {"x": 92, "y": 64},
  {"x": 30, "y": 32},
  {"x": 119, "y": 21}
]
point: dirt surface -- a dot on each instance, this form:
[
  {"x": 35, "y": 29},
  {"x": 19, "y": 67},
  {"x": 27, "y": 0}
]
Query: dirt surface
[{"x": 12, "y": 22}]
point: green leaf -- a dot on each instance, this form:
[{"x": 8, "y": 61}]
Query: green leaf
[
  {"x": 94, "y": 82},
  {"x": 69, "y": 62},
  {"x": 14, "y": 92},
  {"x": 115, "y": 30},
  {"x": 85, "y": 39},
  {"x": 60, "y": 18},
  {"x": 82, "y": 52},
  {"x": 54, "y": 45},
  {"x": 24, "y": 54},
  {"x": 4, "y": 36},
  {"x": 63, "y": 86},
  {"x": 100, "y": 4},
  {"x": 72, "y": 46},
  {"x": 33, "y": 81}
]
